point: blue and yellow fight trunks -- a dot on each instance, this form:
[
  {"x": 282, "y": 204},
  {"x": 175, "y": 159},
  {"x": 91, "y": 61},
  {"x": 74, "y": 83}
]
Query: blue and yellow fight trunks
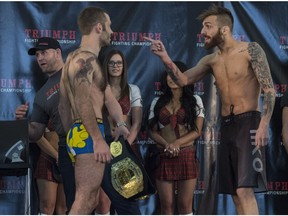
[{"x": 78, "y": 140}]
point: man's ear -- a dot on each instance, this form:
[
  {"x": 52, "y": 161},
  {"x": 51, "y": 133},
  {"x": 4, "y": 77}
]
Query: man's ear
[
  {"x": 99, "y": 27},
  {"x": 225, "y": 29}
]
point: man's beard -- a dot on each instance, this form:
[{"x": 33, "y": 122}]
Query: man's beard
[
  {"x": 215, "y": 41},
  {"x": 105, "y": 40}
]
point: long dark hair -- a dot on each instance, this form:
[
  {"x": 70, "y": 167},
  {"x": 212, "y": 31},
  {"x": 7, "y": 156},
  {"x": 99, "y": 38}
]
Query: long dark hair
[
  {"x": 124, "y": 83},
  {"x": 188, "y": 101}
]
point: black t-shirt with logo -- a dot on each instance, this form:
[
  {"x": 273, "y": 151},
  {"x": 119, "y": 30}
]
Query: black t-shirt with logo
[{"x": 46, "y": 102}]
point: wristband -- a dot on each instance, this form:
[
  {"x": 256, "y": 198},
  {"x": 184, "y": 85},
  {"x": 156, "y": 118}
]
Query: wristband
[{"x": 118, "y": 124}]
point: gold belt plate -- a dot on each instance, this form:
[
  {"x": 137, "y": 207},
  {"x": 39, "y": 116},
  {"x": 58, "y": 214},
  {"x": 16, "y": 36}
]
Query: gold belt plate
[{"x": 127, "y": 178}]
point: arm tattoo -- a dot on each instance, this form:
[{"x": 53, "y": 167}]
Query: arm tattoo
[
  {"x": 268, "y": 103},
  {"x": 261, "y": 69},
  {"x": 85, "y": 69},
  {"x": 170, "y": 72},
  {"x": 260, "y": 65}
]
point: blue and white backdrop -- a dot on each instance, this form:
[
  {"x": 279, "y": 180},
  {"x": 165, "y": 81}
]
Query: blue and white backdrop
[{"x": 175, "y": 23}]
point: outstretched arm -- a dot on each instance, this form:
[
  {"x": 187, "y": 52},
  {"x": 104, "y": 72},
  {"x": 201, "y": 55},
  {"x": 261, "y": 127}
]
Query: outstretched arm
[
  {"x": 261, "y": 69},
  {"x": 182, "y": 79}
]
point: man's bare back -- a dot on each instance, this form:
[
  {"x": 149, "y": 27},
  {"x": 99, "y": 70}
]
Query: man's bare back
[{"x": 88, "y": 64}]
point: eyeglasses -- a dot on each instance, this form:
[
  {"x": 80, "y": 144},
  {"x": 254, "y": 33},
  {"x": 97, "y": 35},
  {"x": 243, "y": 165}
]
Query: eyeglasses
[{"x": 113, "y": 63}]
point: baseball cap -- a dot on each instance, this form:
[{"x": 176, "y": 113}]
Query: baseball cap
[{"x": 43, "y": 44}]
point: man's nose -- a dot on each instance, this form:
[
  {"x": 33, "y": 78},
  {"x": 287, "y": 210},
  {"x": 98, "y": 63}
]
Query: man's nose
[{"x": 203, "y": 31}]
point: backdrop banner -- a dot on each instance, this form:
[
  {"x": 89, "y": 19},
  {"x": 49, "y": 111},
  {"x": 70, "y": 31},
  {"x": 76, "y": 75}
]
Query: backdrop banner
[{"x": 176, "y": 24}]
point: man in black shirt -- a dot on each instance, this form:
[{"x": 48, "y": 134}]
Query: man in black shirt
[{"x": 49, "y": 57}]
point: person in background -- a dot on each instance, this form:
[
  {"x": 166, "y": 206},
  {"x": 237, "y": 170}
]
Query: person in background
[
  {"x": 50, "y": 187},
  {"x": 45, "y": 107},
  {"x": 284, "y": 107},
  {"x": 128, "y": 96},
  {"x": 241, "y": 71},
  {"x": 175, "y": 122},
  {"x": 130, "y": 100},
  {"x": 83, "y": 95}
]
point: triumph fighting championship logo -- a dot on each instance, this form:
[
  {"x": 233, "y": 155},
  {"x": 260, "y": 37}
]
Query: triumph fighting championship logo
[
  {"x": 15, "y": 85},
  {"x": 157, "y": 91},
  {"x": 283, "y": 40},
  {"x": 277, "y": 188},
  {"x": 280, "y": 89},
  {"x": 210, "y": 135},
  {"x": 63, "y": 36},
  {"x": 133, "y": 38},
  {"x": 12, "y": 186},
  {"x": 199, "y": 88}
]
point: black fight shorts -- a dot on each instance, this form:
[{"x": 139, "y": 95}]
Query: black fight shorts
[{"x": 240, "y": 164}]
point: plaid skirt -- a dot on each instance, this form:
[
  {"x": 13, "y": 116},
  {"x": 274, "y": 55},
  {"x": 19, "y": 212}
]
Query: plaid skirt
[
  {"x": 182, "y": 167},
  {"x": 44, "y": 167}
]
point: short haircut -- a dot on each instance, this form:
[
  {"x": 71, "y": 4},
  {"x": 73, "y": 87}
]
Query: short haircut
[
  {"x": 224, "y": 16},
  {"x": 89, "y": 17}
]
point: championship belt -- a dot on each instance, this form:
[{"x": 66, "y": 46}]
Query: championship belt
[{"x": 128, "y": 176}]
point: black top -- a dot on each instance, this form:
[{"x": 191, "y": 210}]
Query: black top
[{"x": 46, "y": 102}]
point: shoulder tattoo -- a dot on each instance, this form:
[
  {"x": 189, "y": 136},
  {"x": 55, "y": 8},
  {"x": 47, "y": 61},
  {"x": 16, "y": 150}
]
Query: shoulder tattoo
[
  {"x": 85, "y": 69},
  {"x": 260, "y": 65}
]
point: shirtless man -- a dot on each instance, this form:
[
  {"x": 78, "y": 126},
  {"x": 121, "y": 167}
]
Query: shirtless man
[
  {"x": 84, "y": 91},
  {"x": 241, "y": 70}
]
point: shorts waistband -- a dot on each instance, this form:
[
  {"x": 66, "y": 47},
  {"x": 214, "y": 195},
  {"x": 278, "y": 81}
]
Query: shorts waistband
[
  {"x": 242, "y": 115},
  {"x": 79, "y": 121}
]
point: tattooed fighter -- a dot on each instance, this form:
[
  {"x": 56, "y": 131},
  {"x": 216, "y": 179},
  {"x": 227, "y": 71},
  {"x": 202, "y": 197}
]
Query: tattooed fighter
[
  {"x": 241, "y": 70},
  {"x": 83, "y": 93}
]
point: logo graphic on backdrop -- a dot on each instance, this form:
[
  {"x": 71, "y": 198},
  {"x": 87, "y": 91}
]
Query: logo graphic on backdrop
[
  {"x": 13, "y": 186},
  {"x": 200, "y": 187},
  {"x": 239, "y": 37},
  {"x": 63, "y": 36},
  {"x": 280, "y": 89},
  {"x": 15, "y": 85},
  {"x": 210, "y": 135},
  {"x": 277, "y": 188},
  {"x": 283, "y": 41},
  {"x": 200, "y": 39},
  {"x": 143, "y": 138},
  {"x": 133, "y": 38},
  {"x": 157, "y": 91},
  {"x": 199, "y": 88}
]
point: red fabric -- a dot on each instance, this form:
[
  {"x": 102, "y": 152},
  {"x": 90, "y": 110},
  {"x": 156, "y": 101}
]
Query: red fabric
[
  {"x": 125, "y": 104},
  {"x": 166, "y": 118},
  {"x": 44, "y": 167},
  {"x": 183, "y": 167}
]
